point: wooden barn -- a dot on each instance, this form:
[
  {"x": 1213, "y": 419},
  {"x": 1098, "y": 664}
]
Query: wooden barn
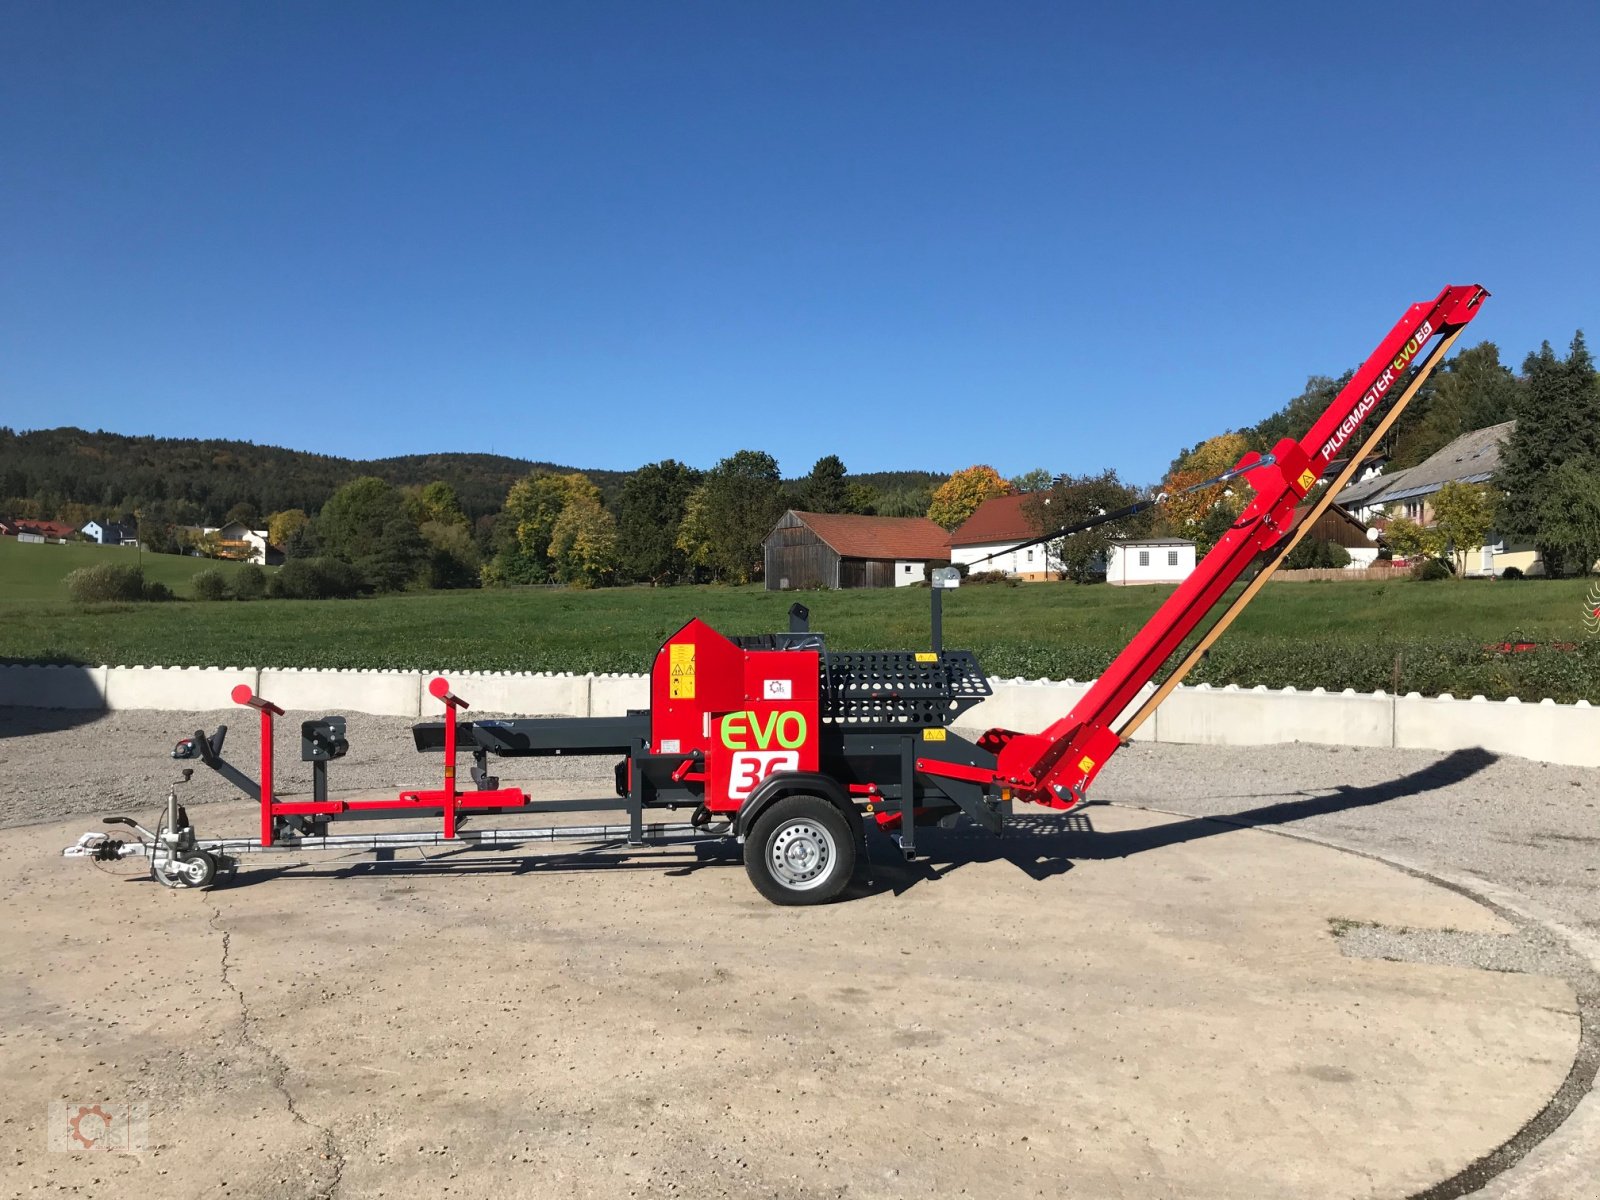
[
  {"x": 1339, "y": 526},
  {"x": 840, "y": 550}
]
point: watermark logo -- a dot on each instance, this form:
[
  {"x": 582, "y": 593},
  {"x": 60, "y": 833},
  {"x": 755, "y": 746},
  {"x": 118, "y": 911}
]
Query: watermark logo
[
  {"x": 102, "y": 1126},
  {"x": 1591, "y": 610}
]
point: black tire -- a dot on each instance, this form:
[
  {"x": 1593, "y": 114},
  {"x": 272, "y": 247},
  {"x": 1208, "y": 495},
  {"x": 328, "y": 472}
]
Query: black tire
[{"x": 800, "y": 851}]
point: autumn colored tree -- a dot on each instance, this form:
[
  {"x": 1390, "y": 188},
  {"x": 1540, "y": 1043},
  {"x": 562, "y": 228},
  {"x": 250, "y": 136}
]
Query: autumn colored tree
[
  {"x": 1185, "y": 513},
  {"x": 958, "y": 497},
  {"x": 583, "y": 544},
  {"x": 438, "y": 503},
  {"x": 282, "y": 526},
  {"x": 533, "y": 506}
]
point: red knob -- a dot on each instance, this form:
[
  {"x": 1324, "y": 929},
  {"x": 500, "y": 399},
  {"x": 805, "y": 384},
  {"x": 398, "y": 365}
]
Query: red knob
[{"x": 242, "y": 694}]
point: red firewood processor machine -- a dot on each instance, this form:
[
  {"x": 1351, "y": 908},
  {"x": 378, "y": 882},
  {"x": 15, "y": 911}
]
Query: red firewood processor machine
[{"x": 794, "y": 750}]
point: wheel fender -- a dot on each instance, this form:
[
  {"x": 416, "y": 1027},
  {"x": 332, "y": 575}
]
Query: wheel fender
[{"x": 791, "y": 783}]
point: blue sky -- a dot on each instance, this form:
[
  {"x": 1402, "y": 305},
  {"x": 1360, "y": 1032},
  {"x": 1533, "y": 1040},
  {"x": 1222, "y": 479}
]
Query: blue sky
[{"x": 914, "y": 235}]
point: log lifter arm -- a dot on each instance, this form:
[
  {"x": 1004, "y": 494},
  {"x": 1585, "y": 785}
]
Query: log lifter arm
[{"x": 1055, "y": 767}]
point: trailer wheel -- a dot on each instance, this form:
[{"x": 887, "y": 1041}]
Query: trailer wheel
[
  {"x": 800, "y": 851},
  {"x": 194, "y": 869}
]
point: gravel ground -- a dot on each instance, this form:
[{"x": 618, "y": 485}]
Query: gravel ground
[{"x": 1527, "y": 827}]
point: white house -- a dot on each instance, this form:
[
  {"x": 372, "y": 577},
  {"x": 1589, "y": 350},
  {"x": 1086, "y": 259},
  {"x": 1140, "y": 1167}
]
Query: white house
[
  {"x": 1149, "y": 560},
  {"x": 987, "y": 541},
  {"x": 107, "y": 533},
  {"x": 1474, "y": 457},
  {"x": 240, "y": 542}
]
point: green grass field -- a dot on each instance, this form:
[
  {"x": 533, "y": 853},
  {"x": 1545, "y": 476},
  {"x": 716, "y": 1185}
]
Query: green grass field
[
  {"x": 30, "y": 571},
  {"x": 1397, "y": 635}
]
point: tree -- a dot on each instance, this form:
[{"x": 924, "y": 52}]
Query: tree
[
  {"x": 437, "y": 502},
  {"x": 649, "y": 514},
  {"x": 282, "y": 526},
  {"x": 1472, "y": 391},
  {"x": 1035, "y": 480},
  {"x": 1462, "y": 516},
  {"x": 825, "y": 489},
  {"x": 1297, "y": 417},
  {"x": 958, "y": 497},
  {"x": 1558, "y": 419},
  {"x": 583, "y": 545},
  {"x": 452, "y": 559},
  {"x": 1189, "y": 514},
  {"x": 1412, "y": 541},
  {"x": 533, "y": 506},
  {"x": 1569, "y": 515},
  {"x": 694, "y": 533},
  {"x": 1074, "y": 499},
  {"x": 1312, "y": 553},
  {"x": 743, "y": 499},
  {"x": 366, "y": 523},
  {"x": 246, "y": 513}
]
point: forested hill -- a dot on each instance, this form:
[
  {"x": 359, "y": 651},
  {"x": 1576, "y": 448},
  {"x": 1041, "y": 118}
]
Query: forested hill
[
  {"x": 116, "y": 473},
  {"x": 190, "y": 479}
]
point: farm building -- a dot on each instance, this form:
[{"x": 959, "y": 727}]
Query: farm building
[
  {"x": 840, "y": 550},
  {"x": 992, "y": 533},
  {"x": 1149, "y": 560},
  {"x": 1339, "y": 527}
]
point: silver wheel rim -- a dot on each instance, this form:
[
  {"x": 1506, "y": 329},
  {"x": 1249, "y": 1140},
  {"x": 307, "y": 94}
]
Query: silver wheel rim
[{"x": 800, "y": 853}]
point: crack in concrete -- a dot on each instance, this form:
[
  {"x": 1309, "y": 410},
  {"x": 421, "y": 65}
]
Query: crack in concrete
[{"x": 278, "y": 1072}]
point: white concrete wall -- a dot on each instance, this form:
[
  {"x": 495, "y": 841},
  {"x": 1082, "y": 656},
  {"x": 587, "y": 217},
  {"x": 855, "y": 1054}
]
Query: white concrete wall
[{"x": 1557, "y": 733}]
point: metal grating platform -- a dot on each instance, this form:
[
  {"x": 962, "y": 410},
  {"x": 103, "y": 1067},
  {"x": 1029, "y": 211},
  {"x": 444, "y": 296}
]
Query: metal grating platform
[{"x": 899, "y": 687}]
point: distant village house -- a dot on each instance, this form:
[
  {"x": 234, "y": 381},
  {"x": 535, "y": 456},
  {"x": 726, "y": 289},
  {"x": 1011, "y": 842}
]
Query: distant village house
[
  {"x": 842, "y": 550},
  {"x": 1471, "y": 458}
]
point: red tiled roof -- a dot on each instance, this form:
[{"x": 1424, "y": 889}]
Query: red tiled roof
[
  {"x": 53, "y": 529},
  {"x": 998, "y": 519},
  {"x": 911, "y": 538}
]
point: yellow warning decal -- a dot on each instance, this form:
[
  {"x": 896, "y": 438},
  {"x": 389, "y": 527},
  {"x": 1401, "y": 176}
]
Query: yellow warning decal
[
  {"x": 1086, "y": 764},
  {"x": 927, "y": 658},
  {"x": 681, "y": 660},
  {"x": 933, "y": 735},
  {"x": 1307, "y": 481}
]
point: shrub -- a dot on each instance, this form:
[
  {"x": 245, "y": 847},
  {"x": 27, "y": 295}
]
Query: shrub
[
  {"x": 249, "y": 582},
  {"x": 981, "y": 577},
  {"x": 1430, "y": 569},
  {"x": 315, "y": 579},
  {"x": 1511, "y": 573},
  {"x": 1311, "y": 554},
  {"x": 210, "y": 584},
  {"x": 106, "y": 581},
  {"x": 154, "y": 589}
]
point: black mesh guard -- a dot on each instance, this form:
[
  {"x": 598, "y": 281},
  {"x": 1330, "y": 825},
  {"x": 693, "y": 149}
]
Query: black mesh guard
[{"x": 891, "y": 687}]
